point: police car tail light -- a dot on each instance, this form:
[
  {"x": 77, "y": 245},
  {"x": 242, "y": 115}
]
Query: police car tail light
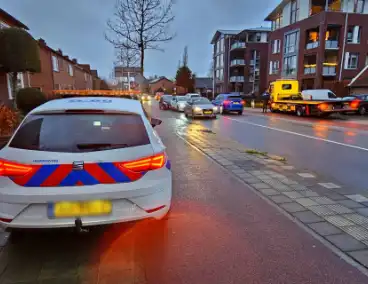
[
  {"x": 13, "y": 169},
  {"x": 145, "y": 164}
]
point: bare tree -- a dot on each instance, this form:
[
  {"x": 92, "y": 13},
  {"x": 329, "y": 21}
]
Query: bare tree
[
  {"x": 126, "y": 57},
  {"x": 185, "y": 56},
  {"x": 140, "y": 25},
  {"x": 210, "y": 71}
]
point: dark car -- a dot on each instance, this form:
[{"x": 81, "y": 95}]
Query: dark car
[
  {"x": 358, "y": 101},
  {"x": 165, "y": 101}
]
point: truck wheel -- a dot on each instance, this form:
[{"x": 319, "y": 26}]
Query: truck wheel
[
  {"x": 299, "y": 112},
  {"x": 362, "y": 110}
]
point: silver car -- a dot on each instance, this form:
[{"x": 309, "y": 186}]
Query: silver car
[{"x": 200, "y": 107}]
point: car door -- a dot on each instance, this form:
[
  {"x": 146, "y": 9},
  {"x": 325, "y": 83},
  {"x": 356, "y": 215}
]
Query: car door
[
  {"x": 218, "y": 100},
  {"x": 188, "y": 107}
]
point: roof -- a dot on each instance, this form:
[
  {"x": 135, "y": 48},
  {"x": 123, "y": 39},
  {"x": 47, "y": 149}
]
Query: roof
[
  {"x": 361, "y": 79},
  {"x": 158, "y": 80},
  {"x": 204, "y": 82},
  {"x": 224, "y": 32},
  {"x": 277, "y": 10},
  {"x": 258, "y": 29},
  {"x": 100, "y": 103},
  {"x": 5, "y": 15}
]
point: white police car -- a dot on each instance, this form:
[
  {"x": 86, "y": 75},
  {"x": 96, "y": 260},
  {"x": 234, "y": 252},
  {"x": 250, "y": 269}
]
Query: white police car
[{"x": 81, "y": 162}]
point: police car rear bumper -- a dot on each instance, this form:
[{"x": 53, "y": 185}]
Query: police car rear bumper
[{"x": 127, "y": 205}]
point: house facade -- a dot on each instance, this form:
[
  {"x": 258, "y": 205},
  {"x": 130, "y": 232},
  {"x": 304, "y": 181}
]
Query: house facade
[
  {"x": 240, "y": 60},
  {"x": 318, "y": 42}
]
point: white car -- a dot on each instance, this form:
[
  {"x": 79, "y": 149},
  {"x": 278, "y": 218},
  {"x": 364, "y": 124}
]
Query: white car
[
  {"x": 81, "y": 162},
  {"x": 178, "y": 103},
  {"x": 190, "y": 96}
]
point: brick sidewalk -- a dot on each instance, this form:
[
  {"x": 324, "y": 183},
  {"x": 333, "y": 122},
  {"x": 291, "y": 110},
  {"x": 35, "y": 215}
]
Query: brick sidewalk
[{"x": 332, "y": 211}]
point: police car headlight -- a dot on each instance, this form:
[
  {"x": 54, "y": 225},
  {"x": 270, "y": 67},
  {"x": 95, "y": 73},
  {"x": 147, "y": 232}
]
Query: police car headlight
[{"x": 197, "y": 109}]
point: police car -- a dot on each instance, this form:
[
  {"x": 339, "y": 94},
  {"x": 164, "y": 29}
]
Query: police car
[{"x": 81, "y": 162}]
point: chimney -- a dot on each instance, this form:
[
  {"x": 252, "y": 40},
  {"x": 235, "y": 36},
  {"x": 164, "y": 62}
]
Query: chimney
[
  {"x": 42, "y": 42},
  {"x": 75, "y": 61},
  {"x": 60, "y": 51}
]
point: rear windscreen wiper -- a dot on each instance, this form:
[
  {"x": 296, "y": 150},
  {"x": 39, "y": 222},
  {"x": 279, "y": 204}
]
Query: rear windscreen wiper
[{"x": 100, "y": 146}]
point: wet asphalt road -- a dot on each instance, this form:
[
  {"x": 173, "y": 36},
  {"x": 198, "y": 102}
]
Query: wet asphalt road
[
  {"x": 332, "y": 148},
  {"x": 218, "y": 231}
]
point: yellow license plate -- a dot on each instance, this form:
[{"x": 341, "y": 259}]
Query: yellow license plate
[
  {"x": 235, "y": 103},
  {"x": 77, "y": 209},
  {"x": 207, "y": 112}
]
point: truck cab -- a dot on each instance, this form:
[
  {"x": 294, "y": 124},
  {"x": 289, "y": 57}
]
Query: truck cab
[{"x": 284, "y": 89}]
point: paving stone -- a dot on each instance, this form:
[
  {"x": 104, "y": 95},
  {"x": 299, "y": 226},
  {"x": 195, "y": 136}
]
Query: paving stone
[
  {"x": 357, "y": 232},
  {"x": 281, "y": 199},
  {"x": 338, "y": 221},
  {"x": 339, "y": 209},
  {"x": 350, "y": 204},
  {"x": 252, "y": 180},
  {"x": 269, "y": 191},
  {"x": 356, "y": 218},
  {"x": 306, "y": 202},
  {"x": 335, "y": 196},
  {"x": 357, "y": 197},
  {"x": 298, "y": 187},
  {"x": 307, "y": 217},
  {"x": 323, "y": 200},
  {"x": 293, "y": 194},
  {"x": 362, "y": 211},
  {"x": 237, "y": 170},
  {"x": 306, "y": 175},
  {"x": 361, "y": 256},
  {"x": 260, "y": 185},
  {"x": 322, "y": 210},
  {"x": 345, "y": 242},
  {"x": 287, "y": 167},
  {"x": 292, "y": 207},
  {"x": 309, "y": 193},
  {"x": 329, "y": 185},
  {"x": 325, "y": 229}
]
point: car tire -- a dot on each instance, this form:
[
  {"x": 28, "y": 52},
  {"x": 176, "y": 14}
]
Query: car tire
[
  {"x": 299, "y": 111},
  {"x": 240, "y": 112},
  {"x": 362, "y": 110}
]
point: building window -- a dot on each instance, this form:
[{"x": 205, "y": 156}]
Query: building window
[
  {"x": 294, "y": 12},
  {"x": 258, "y": 37},
  {"x": 85, "y": 77},
  {"x": 70, "y": 70},
  {"x": 353, "y": 34},
  {"x": 359, "y": 8},
  {"x": 274, "y": 67},
  {"x": 276, "y": 23},
  {"x": 221, "y": 60},
  {"x": 222, "y": 74},
  {"x": 366, "y": 60},
  {"x": 275, "y": 46},
  {"x": 222, "y": 45},
  {"x": 351, "y": 60},
  {"x": 20, "y": 83},
  {"x": 289, "y": 66},
  {"x": 55, "y": 63},
  {"x": 291, "y": 41}
]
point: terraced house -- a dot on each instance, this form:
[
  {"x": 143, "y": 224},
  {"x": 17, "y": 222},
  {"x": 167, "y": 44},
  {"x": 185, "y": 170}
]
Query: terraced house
[{"x": 318, "y": 42}]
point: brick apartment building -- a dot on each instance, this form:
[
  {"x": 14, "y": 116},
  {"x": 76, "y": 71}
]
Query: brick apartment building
[
  {"x": 318, "y": 42},
  {"x": 240, "y": 60},
  {"x": 58, "y": 71}
]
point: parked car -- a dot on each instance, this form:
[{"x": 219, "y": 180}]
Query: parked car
[
  {"x": 200, "y": 107},
  {"x": 164, "y": 103},
  {"x": 229, "y": 103},
  {"x": 358, "y": 101},
  {"x": 192, "y": 95},
  {"x": 319, "y": 95},
  {"x": 178, "y": 103}
]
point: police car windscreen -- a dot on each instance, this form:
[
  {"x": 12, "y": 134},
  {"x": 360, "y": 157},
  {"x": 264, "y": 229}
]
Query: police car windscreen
[{"x": 80, "y": 132}]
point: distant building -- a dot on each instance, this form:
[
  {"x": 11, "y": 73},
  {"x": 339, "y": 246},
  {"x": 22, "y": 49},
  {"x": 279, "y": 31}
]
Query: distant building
[
  {"x": 161, "y": 83},
  {"x": 203, "y": 85},
  {"x": 240, "y": 60}
]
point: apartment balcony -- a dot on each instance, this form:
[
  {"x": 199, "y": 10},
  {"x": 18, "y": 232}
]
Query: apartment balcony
[
  {"x": 328, "y": 69},
  {"x": 237, "y": 62},
  {"x": 237, "y": 45},
  {"x": 309, "y": 69},
  {"x": 311, "y": 45},
  {"x": 254, "y": 62},
  {"x": 237, "y": 79},
  {"x": 331, "y": 44}
]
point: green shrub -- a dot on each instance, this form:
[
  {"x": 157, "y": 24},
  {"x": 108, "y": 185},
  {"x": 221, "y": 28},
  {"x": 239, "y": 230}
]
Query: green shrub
[{"x": 29, "y": 98}]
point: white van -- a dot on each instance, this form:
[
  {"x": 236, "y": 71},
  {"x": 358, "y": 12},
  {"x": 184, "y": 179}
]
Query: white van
[
  {"x": 191, "y": 95},
  {"x": 319, "y": 95}
]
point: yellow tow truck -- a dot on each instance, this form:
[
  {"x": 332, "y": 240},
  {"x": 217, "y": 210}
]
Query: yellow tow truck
[{"x": 286, "y": 97}]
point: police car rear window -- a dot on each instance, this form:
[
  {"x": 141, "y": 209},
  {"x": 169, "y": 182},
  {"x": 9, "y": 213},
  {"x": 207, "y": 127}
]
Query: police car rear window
[{"x": 80, "y": 132}]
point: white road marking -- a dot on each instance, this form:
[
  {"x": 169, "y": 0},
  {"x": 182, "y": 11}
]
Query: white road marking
[
  {"x": 329, "y": 185},
  {"x": 299, "y": 134},
  {"x": 287, "y": 167},
  {"x": 306, "y": 175},
  {"x": 357, "y": 197}
]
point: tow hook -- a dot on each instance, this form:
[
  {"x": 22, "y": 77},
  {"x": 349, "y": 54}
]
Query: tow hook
[{"x": 79, "y": 226}]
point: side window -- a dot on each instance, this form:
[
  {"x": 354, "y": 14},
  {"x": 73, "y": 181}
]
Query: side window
[
  {"x": 331, "y": 95},
  {"x": 219, "y": 98}
]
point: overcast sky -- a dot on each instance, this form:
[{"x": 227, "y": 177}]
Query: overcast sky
[{"x": 77, "y": 28}]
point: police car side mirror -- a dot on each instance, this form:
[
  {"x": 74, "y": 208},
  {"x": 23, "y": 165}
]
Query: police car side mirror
[{"x": 155, "y": 122}]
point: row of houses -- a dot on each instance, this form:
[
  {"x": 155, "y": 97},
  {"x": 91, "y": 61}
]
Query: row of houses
[
  {"x": 321, "y": 43},
  {"x": 58, "y": 71}
]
